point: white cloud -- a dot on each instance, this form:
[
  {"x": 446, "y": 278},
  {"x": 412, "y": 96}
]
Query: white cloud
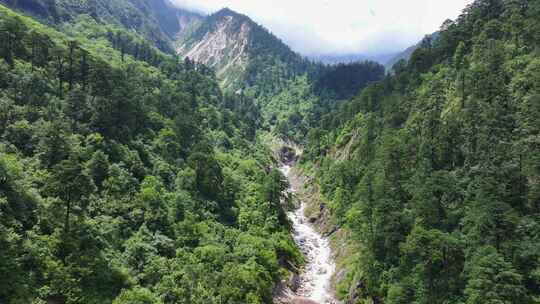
[{"x": 342, "y": 26}]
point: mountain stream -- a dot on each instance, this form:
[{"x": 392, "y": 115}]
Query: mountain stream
[{"x": 314, "y": 280}]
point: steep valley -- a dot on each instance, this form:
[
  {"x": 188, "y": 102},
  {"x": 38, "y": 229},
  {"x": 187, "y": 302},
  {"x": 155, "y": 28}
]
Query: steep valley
[
  {"x": 313, "y": 283},
  {"x": 151, "y": 155}
]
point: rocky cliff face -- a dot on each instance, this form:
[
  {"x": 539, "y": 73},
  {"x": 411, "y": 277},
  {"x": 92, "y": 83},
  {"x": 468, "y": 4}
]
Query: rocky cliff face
[
  {"x": 243, "y": 53},
  {"x": 224, "y": 47}
]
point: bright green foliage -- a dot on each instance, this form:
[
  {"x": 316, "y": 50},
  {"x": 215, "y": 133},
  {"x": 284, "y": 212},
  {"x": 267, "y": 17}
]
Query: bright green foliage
[
  {"x": 127, "y": 177},
  {"x": 156, "y": 20},
  {"x": 137, "y": 296},
  {"x": 288, "y": 89},
  {"x": 492, "y": 279},
  {"x": 434, "y": 169}
]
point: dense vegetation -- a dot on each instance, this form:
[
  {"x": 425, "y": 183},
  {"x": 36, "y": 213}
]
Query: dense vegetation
[
  {"x": 343, "y": 81},
  {"x": 289, "y": 89},
  {"x": 155, "y": 20},
  {"x": 128, "y": 176},
  {"x": 271, "y": 63},
  {"x": 129, "y": 179},
  {"x": 435, "y": 170}
]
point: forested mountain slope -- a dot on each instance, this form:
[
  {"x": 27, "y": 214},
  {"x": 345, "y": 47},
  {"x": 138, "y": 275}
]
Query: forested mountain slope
[
  {"x": 131, "y": 175},
  {"x": 289, "y": 89},
  {"x": 129, "y": 179},
  {"x": 241, "y": 51},
  {"x": 158, "y": 21},
  {"x": 407, "y": 53},
  {"x": 435, "y": 171}
]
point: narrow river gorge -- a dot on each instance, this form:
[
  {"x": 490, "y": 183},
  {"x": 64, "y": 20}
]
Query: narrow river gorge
[{"x": 314, "y": 280}]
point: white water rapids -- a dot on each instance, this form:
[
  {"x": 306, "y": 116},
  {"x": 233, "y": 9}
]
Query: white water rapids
[{"x": 315, "y": 277}]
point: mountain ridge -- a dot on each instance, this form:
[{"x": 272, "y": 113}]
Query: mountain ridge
[
  {"x": 407, "y": 53},
  {"x": 230, "y": 41},
  {"x": 129, "y": 175},
  {"x": 333, "y": 59},
  {"x": 159, "y": 21}
]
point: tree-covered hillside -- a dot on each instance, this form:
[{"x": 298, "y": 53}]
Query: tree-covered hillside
[
  {"x": 288, "y": 88},
  {"x": 129, "y": 181},
  {"x": 243, "y": 52},
  {"x": 130, "y": 174},
  {"x": 158, "y": 21},
  {"x": 406, "y": 54},
  {"x": 435, "y": 170}
]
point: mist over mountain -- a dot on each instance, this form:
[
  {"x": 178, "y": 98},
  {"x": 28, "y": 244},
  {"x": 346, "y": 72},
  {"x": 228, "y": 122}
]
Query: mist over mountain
[
  {"x": 350, "y": 27},
  {"x": 350, "y": 58},
  {"x": 407, "y": 53}
]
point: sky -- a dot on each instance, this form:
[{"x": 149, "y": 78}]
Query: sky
[{"x": 369, "y": 27}]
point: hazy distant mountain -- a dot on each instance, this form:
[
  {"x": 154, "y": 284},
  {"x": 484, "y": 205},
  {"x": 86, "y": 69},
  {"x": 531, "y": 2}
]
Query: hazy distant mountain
[
  {"x": 350, "y": 58},
  {"x": 335, "y": 59},
  {"x": 406, "y": 54},
  {"x": 172, "y": 20}
]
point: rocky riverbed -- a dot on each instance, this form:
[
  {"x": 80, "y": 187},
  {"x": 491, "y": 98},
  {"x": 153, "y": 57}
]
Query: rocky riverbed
[{"x": 314, "y": 279}]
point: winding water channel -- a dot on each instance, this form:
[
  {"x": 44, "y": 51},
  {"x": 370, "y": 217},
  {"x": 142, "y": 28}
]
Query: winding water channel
[{"x": 319, "y": 268}]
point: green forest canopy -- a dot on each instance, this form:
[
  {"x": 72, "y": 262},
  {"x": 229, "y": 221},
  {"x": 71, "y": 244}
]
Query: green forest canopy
[
  {"x": 129, "y": 176},
  {"x": 435, "y": 169}
]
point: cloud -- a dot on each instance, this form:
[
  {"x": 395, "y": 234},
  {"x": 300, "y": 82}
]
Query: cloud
[{"x": 342, "y": 26}]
